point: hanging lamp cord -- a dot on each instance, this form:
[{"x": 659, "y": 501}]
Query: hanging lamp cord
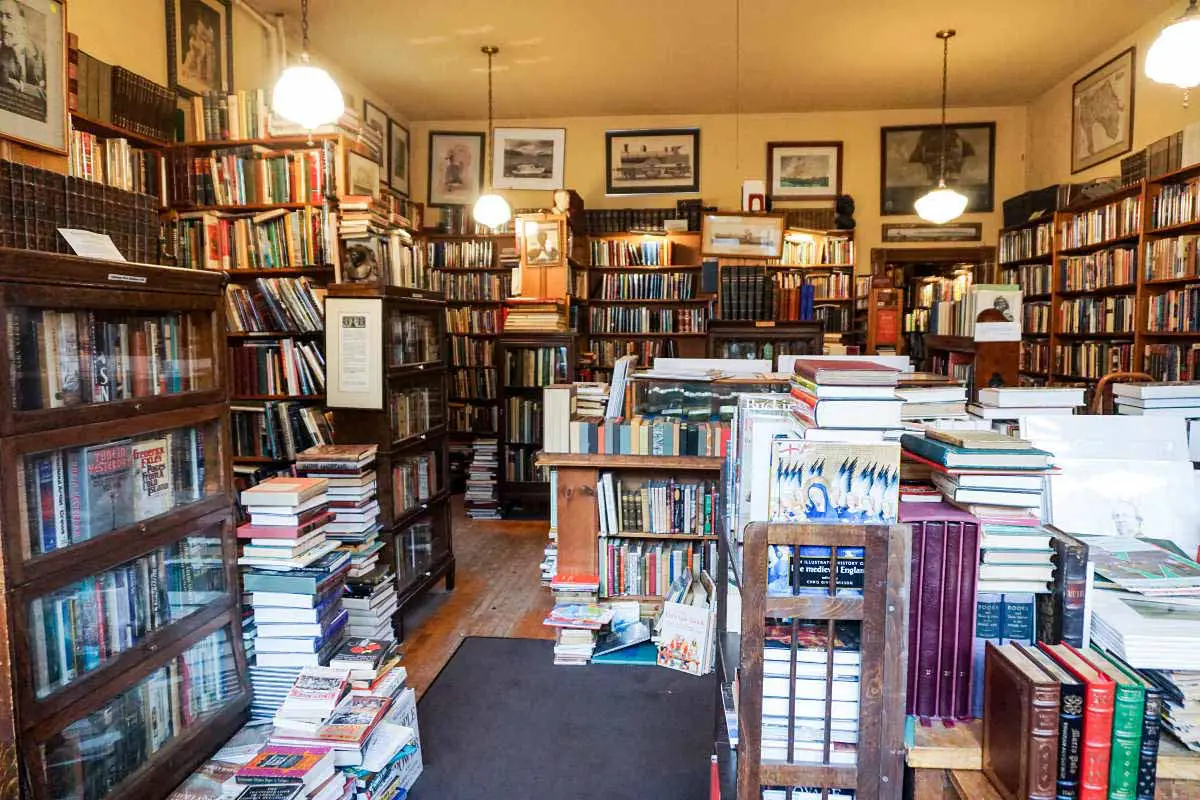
[
  {"x": 491, "y": 131},
  {"x": 945, "y": 79},
  {"x": 304, "y": 25}
]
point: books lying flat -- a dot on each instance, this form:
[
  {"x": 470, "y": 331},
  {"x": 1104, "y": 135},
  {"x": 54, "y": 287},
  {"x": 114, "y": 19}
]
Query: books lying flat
[
  {"x": 1158, "y": 391},
  {"x": 310, "y": 766},
  {"x": 978, "y": 440},
  {"x": 1137, "y": 565},
  {"x": 315, "y": 523},
  {"x": 835, "y": 392},
  {"x": 283, "y": 492},
  {"x": 845, "y": 372},
  {"x": 1014, "y": 412},
  {"x": 950, "y": 456},
  {"x": 298, "y": 562},
  {"x": 1031, "y": 396},
  {"x": 848, "y": 413},
  {"x": 315, "y": 693},
  {"x": 575, "y": 615}
]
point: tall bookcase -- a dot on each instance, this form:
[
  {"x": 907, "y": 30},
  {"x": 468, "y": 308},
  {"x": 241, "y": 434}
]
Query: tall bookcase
[
  {"x": 388, "y": 388},
  {"x": 122, "y": 666}
]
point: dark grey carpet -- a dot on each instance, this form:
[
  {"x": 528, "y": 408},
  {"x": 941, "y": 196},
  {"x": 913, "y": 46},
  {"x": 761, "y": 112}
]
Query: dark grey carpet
[{"x": 502, "y": 722}]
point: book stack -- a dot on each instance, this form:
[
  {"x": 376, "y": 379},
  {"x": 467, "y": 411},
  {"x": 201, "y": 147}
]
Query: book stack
[
  {"x": 480, "y": 500},
  {"x": 576, "y": 617},
  {"x": 370, "y": 602},
  {"x": 526, "y": 316},
  {"x": 1174, "y": 399},
  {"x": 349, "y": 473},
  {"x": 929, "y": 396},
  {"x": 846, "y": 401},
  {"x": 1005, "y": 405},
  {"x": 284, "y": 772}
]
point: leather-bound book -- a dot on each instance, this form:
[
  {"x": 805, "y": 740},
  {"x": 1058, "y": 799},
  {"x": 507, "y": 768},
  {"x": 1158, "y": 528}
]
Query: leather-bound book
[
  {"x": 1097, "y": 720},
  {"x": 1020, "y": 725},
  {"x": 1071, "y": 699}
]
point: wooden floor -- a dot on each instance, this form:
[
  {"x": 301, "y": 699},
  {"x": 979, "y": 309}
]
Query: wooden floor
[{"x": 496, "y": 593}]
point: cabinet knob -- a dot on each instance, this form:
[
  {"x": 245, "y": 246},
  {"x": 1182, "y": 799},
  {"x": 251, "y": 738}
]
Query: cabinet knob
[
  {"x": 137, "y": 406},
  {"x": 142, "y": 527}
]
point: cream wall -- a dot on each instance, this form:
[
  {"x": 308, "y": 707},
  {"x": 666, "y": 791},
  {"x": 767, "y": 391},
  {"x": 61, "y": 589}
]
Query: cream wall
[
  {"x": 728, "y": 156},
  {"x": 1157, "y": 111}
]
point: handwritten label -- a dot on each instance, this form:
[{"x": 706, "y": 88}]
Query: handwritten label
[{"x": 90, "y": 244}]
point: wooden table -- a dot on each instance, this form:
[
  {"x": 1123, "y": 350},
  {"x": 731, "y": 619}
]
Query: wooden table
[{"x": 946, "y": 764}]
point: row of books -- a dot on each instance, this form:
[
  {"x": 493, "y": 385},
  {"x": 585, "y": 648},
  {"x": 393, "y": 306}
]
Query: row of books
[
  {"x": 475, "y": 384},
  {"x": 522, "y": 421},
  {"x": 1115, "y": 266},
  {"x": 284, "y": 367},
  {"x": 656, "y": 505},
  {"x": 1034, "y": 279},
  {"x": 1172, "y": 362},
  {"x": 466, "y": 417},
  {"x": 414, "y": 340},
  {"x": 415, "y": 410},
  {"x": 1035, "y": 356},
  {"x": 1109, "y": 314},
  {"x": 275, "y": 305},
  {"x": 1175, "y": 310},
  {"x": 599, "y": 221},
  {"x": 244, "y": 114},
  {"x": 390, "y": 259},
  {"x": 277, "y": 239},
  {"x": 1172, "y": 257},
  {"x": 477, "y": 287},
  {"x": 607, "y": 352},
  {"x": 630, "y": 253},
  {"x": 1114, "y": 220},
  {"x": 473, "y": 320},
  {"x": 115, "y": 163},
  {"x": 414, "y": 481},
  {"x": 648, "y": 286},
  {"x": 253, "y": 176},
  {"x": 1035, "y": 317},
  {"x": 1175, "y": 204},
  {"x": 1092, "y": 359},
  {"x": 943, "y": 289},
  {"x": 803, "y": 251},
  {"x": 476, "y": 254},
  {"x": 277, "y": 430},
  {"x": 536, "y": 366},
  {"x": 519, "y": 466},
  {"x": 115, "y": 95},
  {"x": 62, "y": 358},
  {"x": 471, "y": 352},
  {"x": 649, "y": 437},
  {"x": 752, "y": 293},
  {"x": 633, "y": 319},
  {"x": 647, "y": 569},
  {"x": 1026, "y": 243}
]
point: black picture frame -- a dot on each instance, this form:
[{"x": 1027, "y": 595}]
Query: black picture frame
[
  {"x": 618, "y": 186},
  {"x": 928, "y": 233},
  {"x": 441, "y": 198},
  {"x": 174, "y": 47},
  {"x": 398, "y": 186},
  {"x": 1107, "y": 72},
  {"x": 373, "y": 113},
  {"x": 898, "y": 191}
]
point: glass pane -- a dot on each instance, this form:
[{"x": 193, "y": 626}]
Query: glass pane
[
  {"x": 417, "y": 410},
  {"x": 75, "y": 494},
  {"x": 414, "y": 340},
  {"x": 78, "y": 628},
  {"x": 536, "y": 366},
  {"x": 415, "y": 480},
  {"x": 67, "y": 357},
  {"x": 415, "y": 554},
  {"x": 90, "y": 757},
  {"x": 278, "y": 430}
]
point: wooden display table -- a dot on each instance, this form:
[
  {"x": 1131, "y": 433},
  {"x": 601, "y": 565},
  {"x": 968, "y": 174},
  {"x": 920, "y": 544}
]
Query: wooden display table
[{"x": 946, "y": 764}]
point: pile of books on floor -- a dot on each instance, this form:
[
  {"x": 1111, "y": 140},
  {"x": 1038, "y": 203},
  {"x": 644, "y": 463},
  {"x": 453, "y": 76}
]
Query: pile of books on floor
[
  {"x": 480, "y": 499},
  {"x": 1004, "y": 406},
  {"x": 371, "y": 602},
  {"x": 846, "y": 401},
  {"x": 349, "y": 473},
  {"x": 292, "y": 577},
  {"x": 536, "y": 316},
  {"x": 928, "y": 395},
  {"x": 576, "y": 616}
]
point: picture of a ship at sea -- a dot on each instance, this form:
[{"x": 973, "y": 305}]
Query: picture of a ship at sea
[{"x": 834, "y": 482}]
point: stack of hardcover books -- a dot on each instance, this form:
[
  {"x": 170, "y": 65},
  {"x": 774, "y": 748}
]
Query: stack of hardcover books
[
  {"x": 481, "y": 499},
  {"x": 349, "y": 472},
  {"x": 1005, "y": 405},
  {"x": 846, "y": 401},
  {"x": 371, "y": 602},
  {"x": 929, "y": 396}
]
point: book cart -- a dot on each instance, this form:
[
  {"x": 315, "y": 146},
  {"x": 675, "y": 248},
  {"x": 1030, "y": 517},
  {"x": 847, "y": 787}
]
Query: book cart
[
  {"x": 121, "y": 663},
  {"x": 387, "y": 387},
  {"x": 882, "y": 614}
]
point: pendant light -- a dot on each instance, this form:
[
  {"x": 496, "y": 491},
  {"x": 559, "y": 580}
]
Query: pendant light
[
  {"x": 1172, "y": 58},
  {"x": 306, "y": 94},
  {"x": 942, "y": 204},
  {"x": 490, "y": 209}
]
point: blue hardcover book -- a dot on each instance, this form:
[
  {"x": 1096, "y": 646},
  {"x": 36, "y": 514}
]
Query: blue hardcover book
[
  {"x": 987, "y": 629},
  {"x": 1016, "y": 618},
  {"x": 952, "y": 457}
]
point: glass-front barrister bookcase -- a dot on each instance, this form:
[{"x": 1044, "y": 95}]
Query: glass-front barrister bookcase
[{"x": 121, "y": 666}]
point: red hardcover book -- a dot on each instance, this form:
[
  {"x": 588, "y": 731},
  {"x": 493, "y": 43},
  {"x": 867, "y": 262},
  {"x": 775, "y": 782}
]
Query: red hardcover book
[{"x": 1099, "y": 698}]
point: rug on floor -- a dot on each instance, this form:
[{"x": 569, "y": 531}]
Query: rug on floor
[{"x": 502, "y": 722}]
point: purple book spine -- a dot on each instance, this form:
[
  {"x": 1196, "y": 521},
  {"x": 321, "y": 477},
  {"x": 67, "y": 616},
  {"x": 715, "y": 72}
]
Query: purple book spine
[
  {"x": 948, "y": 633},
  {"x": 914, "y": 614},
  {"x": 966, "y": 620},
  {"x": 932, "y": 575}
]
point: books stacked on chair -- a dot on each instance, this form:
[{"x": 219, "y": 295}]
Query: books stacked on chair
[
  {"x": 846, "y": 401},
  {"x": 1005, "y": 405},
  {"x": 349, "y": 472},
  {"x": 480, "y": 499}
]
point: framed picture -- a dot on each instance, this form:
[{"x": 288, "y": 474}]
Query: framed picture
[
  {"x": 398, "y": 157},
  {"x": 1102, "y": 112},
  {"x": 455, "y": 167},
  {"x": 742, "y": 235},
  {"x": 543, "y": 240},
  {"x": 528, "y": 158},
  {"x": 921, "y": 232},
  {"x": 911, "y": 159},
  {"x": 199, "y": 46},
  {"x": 33, "y": 91},
  {"x": 804, "y": 170},
  {"x": 375, "y": 116},
  {"x": 652, "y": 161},
  {"x": 362, "y": 175}
]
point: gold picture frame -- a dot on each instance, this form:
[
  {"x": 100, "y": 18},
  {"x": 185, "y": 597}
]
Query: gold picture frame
[{"x": 742, "y": 235}]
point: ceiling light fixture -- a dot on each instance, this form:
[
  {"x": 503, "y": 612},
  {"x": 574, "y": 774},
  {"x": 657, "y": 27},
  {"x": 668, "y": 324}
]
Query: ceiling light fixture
[
  {"x": 490, "y": 209},
  {"x": 942, "y": 204},
  {"x": 306, "y": 94},
  {"x": 1172, "y": 57}
]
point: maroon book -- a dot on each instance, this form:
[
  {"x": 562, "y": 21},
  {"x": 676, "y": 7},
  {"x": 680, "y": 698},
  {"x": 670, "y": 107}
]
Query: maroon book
[
  {"x": 928, "y": 650},
  {"x": 948, "y": 632},
  {"x": 914, "y": 611}
]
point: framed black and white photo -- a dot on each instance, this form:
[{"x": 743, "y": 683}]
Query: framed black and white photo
[
  {"x": 652, "y": 161},
  {"x": 911, "y": 160},
  {"x": 742, "y": 235},
  {"x": 199, "y": 46},
  {"x": 33, "y": 73},
  {"x": 804, "y": 170},
  {"x": 921, "y": 232},
  {"x": 398, "y": 157},
  {"x": 455, "y": 167},
  {"x": 528, "y": 158},
  {"x": 1102, "y": 112},
  {"x": 362, "y": 175},
  {"x": 377, "y": 118}
]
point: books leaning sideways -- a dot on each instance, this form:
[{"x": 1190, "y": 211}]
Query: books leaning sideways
[
  {"x": 349, "y": 474},
  {"x": 846, "y": 401}
]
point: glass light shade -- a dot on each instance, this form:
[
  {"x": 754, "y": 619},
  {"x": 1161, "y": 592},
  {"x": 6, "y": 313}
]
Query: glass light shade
[
  {"x": 1173, "y": 58},
  {"x": 492, "y": 210},
  {"x": 307, "y": 96},
  {"x": 941, "y": 205}
]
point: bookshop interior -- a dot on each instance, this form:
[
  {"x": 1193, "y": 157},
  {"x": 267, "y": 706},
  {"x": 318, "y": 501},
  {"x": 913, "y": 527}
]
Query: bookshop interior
[{"x": 401, "y": 411}]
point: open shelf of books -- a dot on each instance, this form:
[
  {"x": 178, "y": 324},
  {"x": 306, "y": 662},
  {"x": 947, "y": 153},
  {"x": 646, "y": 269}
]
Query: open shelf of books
[{"x": 118, "y": 559}]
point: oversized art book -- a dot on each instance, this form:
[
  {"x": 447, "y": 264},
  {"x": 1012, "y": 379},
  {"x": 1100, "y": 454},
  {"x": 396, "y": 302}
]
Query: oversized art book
[{"x": 834, "y": 481}]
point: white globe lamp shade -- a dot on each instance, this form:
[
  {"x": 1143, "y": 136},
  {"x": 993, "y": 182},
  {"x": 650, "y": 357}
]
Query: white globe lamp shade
[
  {"x": 491, "y": 210},
  {"x": 307, "y": 96},
  {"x": 941, "y": 205},
  {"x": 1174, "y": 58}
]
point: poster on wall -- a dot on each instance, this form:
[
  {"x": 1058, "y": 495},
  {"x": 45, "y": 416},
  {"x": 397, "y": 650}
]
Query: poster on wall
[
  {"x": 199, "y": 46},
  {"x": 1102, "y": 112},
  {"x": 804, "y": 170},
  {"x": 912, "y": 160},
  {"x": 455, "y": 167},
  {"x": 33, "y": 95},
  {"x": 528, "y": 158}
]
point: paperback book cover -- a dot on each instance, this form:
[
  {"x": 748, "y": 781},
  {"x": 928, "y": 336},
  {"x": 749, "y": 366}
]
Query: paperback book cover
[
  {"x": 354, "y": 719},
  {"x": 834, "y": 482},
  {"x": 106, "y": 492},
  {"x": 153, "y": 490},
  {"x": 276, "y": 763}
]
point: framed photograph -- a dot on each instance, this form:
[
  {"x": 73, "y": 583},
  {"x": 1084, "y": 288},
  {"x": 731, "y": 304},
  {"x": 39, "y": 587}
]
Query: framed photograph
[
  {"x": 377, "y": 118},
  {"x": 33, "y": 91},
  {"x": 911, "y": 159},
  {"x": 742, "y": 235},
  {"x": 362, "y": 175},
  {"x": 455, "y": 167},
  {"x": 652, "y": 161},
  {"x": 923, "y": 233},
  {"x": 543, "y": 240},
  {"x": 199, "y": 46},
  {"x": 1102, "y": 112},
  {"x": 398, "y": 157},
  {"x": 528, "y": 158},
  {"x": 804, "y": 170}
]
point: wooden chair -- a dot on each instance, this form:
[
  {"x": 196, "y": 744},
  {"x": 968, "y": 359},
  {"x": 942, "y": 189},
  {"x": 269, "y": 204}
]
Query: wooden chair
[{"x": 1102, "y": 397}]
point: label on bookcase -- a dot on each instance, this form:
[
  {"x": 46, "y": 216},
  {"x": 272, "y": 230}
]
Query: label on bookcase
[
  {"x": 764, "y": 324},
  {"x": 116, "y": 276}
]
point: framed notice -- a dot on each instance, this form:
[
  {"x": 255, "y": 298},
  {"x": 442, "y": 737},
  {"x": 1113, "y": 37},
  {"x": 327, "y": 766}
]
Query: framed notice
[{"x": 354, "y": 352}]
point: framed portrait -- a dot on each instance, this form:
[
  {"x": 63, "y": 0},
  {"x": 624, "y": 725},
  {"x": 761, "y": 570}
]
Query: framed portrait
[
  {"x": 455, "y": 167},
  {"x": 362, "y": 175},
  {"x": 33, "y": 78},
  {"x": 199, "y": 46},
  {"x": 742, "y": 235},
  {"x": 528, "y": 158},
  {"x": 398, "y": 157},
  {"x": 804, "y": 170},
  {"x": 911, "y": 160},
  {"x": 376, "y": 117},
  {"x": 543, "y": 240},
  {"x": 921, "y": 232},
  {"x": 1102, "y": 112},
  {"x": 652, "y": 161}
]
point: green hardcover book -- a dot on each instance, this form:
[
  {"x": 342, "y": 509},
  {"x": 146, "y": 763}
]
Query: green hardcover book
[{"x": 1128, "y": 710}]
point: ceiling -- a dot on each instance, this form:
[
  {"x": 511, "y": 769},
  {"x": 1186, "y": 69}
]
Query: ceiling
[{"x": 615, "y": 57}]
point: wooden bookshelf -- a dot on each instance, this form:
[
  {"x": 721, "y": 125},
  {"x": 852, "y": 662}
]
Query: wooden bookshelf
[
  {"x": 58, "y": 702},
  {"x": 733, "y": 339}
]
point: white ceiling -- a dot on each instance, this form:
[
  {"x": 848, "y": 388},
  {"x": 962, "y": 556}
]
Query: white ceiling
[{"x": 605, "y": 57}]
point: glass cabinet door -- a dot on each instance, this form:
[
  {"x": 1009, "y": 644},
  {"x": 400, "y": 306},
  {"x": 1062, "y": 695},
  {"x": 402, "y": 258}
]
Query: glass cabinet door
[
  {"x": 417, "y": 410},
  {"x": 415, "y": 480},
  {"x": 412, "y": 339}
]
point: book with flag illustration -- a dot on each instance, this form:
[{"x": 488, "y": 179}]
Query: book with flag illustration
[{"x": 833, "y": 481}]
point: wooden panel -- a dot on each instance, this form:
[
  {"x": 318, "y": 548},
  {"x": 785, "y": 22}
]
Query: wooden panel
[
  {"x": 959, "y": 746},
  {"x": 895, "y": 661},
  {"x": 578, "y": 521},
  {"x": 840, "y": 608},
  {"x": 772, "y": 773},
  {"x": 823, "y": 535},
  {"x": 972, "y": 785},
  {"x": 598, "y": 461}
]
